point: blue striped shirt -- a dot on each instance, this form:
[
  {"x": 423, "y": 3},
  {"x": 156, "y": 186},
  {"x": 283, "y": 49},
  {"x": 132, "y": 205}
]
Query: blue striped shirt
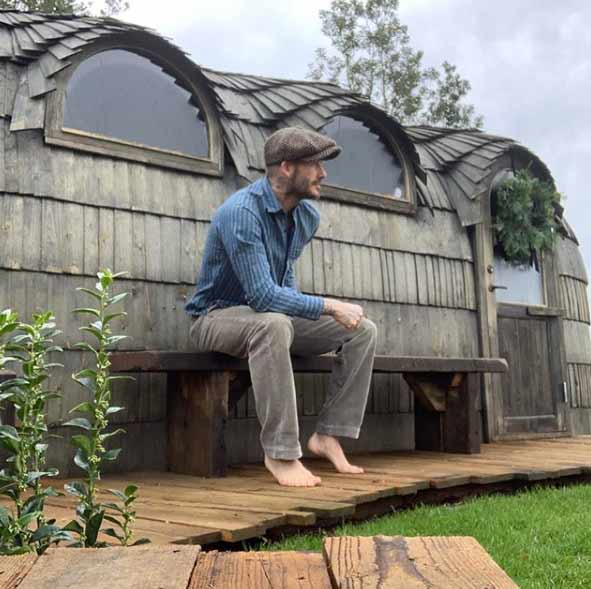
[{"x": 250, "y": 253}]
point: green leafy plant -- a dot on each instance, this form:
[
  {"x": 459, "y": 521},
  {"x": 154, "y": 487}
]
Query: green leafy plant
[
  {"x": 524, "y": 211},
  {"x": 123, "y": 516},
  {"x": 26, "y": 444},
  {"x": 91, "y": 452}
]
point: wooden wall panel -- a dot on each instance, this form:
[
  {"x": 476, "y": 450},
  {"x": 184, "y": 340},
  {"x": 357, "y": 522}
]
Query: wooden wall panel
[
  {"x": 427, "y": 232},
  {"x": 574, "y": 299},
  {"x": 156, "y": 315},
  {"x": 570, "y": 260},
  {"x": 579, "y": 385},
  {"x": 58, "y": 237},
  {"x": 73, "y": 176},
  {"x": 577, "y": 342}
]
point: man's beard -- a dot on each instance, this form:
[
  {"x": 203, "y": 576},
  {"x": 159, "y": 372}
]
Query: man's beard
[{"x": 300, "y": 186}]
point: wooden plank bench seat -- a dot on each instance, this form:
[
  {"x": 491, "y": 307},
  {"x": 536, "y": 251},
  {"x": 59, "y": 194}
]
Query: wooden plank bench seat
[{"x": 202, "y": 387}]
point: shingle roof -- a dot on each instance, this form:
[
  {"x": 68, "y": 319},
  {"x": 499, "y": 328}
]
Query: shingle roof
[
  {"x": 452, "y": 166},
  {"x": 252, "y": 107},
  {"x": 460, "y": 162}
]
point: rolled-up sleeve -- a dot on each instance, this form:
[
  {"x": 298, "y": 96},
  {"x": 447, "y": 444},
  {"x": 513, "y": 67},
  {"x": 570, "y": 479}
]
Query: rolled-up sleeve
[{"x": 241, "y": 235}]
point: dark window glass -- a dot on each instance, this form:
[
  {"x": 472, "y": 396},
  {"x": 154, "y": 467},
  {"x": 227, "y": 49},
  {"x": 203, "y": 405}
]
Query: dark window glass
[
  {"x": 366, "y": 163},
  {"x": 122, "y": 95}
]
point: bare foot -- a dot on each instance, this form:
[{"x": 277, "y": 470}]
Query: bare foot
[
  {"x": 291, "y": 473},
  {"x": 330, "y": 448}
]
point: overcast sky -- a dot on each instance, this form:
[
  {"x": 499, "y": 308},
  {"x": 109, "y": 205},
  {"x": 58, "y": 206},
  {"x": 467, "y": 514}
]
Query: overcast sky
[{"x": 529, "y": 63}]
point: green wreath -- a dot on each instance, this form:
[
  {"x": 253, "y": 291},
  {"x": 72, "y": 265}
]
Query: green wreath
[{"x": 524, "y": 212}]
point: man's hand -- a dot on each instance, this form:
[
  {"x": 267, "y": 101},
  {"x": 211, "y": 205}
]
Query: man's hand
[{"x": 346, "y": 314}]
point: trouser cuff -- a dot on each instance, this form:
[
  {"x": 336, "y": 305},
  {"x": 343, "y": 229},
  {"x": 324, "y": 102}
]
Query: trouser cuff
[
  {"x": 342, "y": 431},
  {"x": 283, "y": 453}
]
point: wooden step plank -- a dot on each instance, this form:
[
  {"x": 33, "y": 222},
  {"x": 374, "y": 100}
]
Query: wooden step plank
[
  {"x": 260, "y": 570},
  {"x": 165, "y": 567},
  {"x": 157, "y": 532},
  {"x": 212, "y": 500},
  {"x": 366, "y": 486},
  {"x": 314, "y": 499},
  {"x": 292, "y": 517},
  {"x": 395, "y": 562},
  {"x": 564, "y": 453},
  {"x": 542, "y": 464},
  {"x": 234, "y": 525},
  {"x": 13, "y": 569},
  {"x": 481, "y": 470},
  {"x": 434, "y": 475},
  {"x": 243, "y": 496},
  {"x": 221, "y": 500}
]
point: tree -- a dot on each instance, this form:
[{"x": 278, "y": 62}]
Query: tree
[
  {"x": 371, "y": 55},
  {"x": 109, "y": 7}
]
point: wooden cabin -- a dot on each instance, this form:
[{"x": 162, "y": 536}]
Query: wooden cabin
[{"x": 115, "y": 151}]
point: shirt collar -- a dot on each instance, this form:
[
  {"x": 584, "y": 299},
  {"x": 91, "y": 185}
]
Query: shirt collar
[{"x": 271, "y": 203}]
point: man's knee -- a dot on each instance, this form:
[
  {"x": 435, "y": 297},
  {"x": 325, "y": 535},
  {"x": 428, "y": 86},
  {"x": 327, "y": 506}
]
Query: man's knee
[
  {"x": 368, "y": 328},
  {"x": 276, "y": 326}
]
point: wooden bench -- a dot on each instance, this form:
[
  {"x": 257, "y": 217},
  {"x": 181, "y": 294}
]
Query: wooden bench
[{"x": 202, "y": 388}]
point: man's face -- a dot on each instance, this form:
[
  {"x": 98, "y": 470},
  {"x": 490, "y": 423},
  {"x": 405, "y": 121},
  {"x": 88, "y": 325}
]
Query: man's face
[{"x": 305, "y": 179}]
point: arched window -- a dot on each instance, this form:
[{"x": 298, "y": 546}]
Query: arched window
[
  {"x": 122, "y": 103},
  {"x": 368, "y": 162}
]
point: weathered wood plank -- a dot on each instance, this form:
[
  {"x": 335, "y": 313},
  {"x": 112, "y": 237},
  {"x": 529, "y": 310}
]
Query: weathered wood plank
[
  {"x": 260, "y": 570},
  {"x": 412, "y": 563},
  {"x": 166, "y": 567},
  {"x": 11, "y": 231},
  {"x": 13, "y": 569},
  {"x": 106, "y": 245},
  {"x": 163, "y": 361}
]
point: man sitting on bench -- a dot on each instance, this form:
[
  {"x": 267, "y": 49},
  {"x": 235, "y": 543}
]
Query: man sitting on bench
[{"x": 247, "y": 305}]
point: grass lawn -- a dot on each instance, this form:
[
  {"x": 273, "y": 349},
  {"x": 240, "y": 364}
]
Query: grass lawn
[{"x": 541, "y": 538}]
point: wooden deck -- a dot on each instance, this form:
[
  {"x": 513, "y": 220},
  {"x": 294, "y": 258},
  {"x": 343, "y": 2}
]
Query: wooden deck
[
  {"x": 395, "y": 562},
  {"x": 248, "y": 503}
]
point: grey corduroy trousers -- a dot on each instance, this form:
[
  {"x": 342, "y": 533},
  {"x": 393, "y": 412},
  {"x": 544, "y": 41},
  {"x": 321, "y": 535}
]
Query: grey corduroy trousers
[{"x": 268, "y": 340}]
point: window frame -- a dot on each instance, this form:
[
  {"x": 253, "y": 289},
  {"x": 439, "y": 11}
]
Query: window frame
[
  {"x": 406, "y": 205},
  {"x": 56, "y": 134}
]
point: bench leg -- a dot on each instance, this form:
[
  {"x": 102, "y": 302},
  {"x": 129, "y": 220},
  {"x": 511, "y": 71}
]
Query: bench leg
[
  {"x": 447, "y": 422},
  {"x": 461, "y": 431},
  {"x": 197, "y": 413}
]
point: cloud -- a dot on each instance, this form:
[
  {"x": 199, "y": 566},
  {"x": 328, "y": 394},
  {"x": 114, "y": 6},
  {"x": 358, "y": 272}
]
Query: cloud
[{"x": 530, "y": 72}]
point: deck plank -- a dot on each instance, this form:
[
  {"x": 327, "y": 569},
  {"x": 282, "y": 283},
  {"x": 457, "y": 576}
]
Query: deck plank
[
  {"x": 165, "y": 567},
  {"x": 248, "y": 502},
  {"x": 396, "y": 562},
  {"x": 260, "y": 570}
]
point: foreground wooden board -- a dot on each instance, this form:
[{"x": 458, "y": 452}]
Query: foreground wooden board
[
  {"x": 260, "y": 570},
  {"x": 164, "y": 567},
  {"x": 13, "y": 569},
  {"x": 396, "y": 562}
]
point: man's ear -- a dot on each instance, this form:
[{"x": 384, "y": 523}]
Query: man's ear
[{"x": 287, "y": 168}]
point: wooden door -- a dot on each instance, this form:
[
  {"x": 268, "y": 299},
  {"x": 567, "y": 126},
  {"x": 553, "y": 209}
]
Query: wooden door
[{"x": 529, "y": 337}]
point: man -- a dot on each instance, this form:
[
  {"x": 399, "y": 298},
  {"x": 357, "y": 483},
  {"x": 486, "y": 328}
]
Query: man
[{"x": 247, "y": 305}]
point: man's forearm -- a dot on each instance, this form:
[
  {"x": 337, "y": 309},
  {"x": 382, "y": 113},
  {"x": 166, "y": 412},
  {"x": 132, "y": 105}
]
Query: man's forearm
[{"x": 329, "y": 307}]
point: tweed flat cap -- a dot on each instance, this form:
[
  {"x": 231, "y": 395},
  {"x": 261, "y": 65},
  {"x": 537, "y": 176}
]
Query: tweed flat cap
[{"x": 293, "y": 143}]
